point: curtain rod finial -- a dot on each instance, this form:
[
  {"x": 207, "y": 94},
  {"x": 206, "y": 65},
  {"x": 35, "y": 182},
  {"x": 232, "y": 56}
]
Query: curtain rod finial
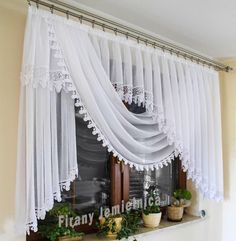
[
  {"x": 67, "y": 14},
  {"x": 228, "y": 69}
]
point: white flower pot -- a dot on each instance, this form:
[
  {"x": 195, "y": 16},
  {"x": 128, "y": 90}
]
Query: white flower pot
[{"x": 152, "y": 220}]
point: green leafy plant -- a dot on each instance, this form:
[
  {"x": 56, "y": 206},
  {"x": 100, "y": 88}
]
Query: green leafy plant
[
  {"x": 107, "y": 225},
  {"x": 129, "y": 226},
  {"x": 180, "y": 196},
  {"x": 50, "y": 229},
  {"x": 62, "y": 209},
  {"x": 153, "y": 193},
  {"x": 52, "y": 232},
  {"x": 151, "y": 209}
]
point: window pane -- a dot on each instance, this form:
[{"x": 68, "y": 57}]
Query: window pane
[
  {"x": 91, "y": 190},
  {"x": 166, "y": 179}
]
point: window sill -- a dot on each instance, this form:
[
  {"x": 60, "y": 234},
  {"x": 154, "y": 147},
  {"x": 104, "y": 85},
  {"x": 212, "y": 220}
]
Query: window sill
[{"x": 164, "y": 226}]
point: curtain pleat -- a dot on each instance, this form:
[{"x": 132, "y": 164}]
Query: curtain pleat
[{"x": 128, "y": 74}]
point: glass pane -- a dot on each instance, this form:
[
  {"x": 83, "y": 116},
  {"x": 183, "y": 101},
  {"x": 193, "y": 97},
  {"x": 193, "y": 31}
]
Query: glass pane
[
  {"x": 165, "y": 178},
  {"x": 91, "y": 189}
]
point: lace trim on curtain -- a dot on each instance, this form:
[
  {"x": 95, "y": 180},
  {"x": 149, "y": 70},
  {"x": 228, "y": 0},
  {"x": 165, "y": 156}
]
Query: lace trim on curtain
[
  {"x": 137, "y": 95},
  {"x": 65, "y": 185},
  {"x": 40, "y": 213}
]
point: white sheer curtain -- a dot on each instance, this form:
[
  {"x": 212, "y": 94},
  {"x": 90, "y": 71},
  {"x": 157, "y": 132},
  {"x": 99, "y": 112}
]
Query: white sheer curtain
[{"x": 64, "y": 59}]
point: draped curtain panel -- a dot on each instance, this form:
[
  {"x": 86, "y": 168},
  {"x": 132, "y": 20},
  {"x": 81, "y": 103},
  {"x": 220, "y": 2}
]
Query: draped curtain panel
[{"x": 66, "y": 63}]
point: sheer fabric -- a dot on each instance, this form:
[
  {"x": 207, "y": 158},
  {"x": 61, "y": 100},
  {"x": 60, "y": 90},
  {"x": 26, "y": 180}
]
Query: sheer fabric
[{"x": 66, "y": 62}]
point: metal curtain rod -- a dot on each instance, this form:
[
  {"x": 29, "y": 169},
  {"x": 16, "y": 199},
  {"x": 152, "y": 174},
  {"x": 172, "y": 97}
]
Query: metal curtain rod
[{"x": 148, "y": 39}]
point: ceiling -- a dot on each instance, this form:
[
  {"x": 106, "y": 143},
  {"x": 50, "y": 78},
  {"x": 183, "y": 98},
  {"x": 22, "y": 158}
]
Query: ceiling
[{"x": 207, "y": 26}]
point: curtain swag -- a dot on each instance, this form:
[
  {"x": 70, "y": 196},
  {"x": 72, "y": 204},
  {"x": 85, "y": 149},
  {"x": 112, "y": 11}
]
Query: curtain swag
[{"x": 67, "y": 63}]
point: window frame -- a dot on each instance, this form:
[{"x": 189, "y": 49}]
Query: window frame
[{"x": 119, "y": 190}]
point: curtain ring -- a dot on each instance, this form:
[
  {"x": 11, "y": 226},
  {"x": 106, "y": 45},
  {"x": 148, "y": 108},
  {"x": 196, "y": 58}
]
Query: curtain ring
[
  {"x": 177, "y": 53},
  {"x": 171, "y": 51},
  {"x": 81, "y": 19},
  {"x": 37, "y": 4},
  {"x": 127, "y": 35},
  {"x": 67, "y": 14},
  {"x": 163, "y": 48},
  {"x": 93, "y": 23},
  {"x": 145, "y": 42},
  {"x": 29, "y": 2},
  {"x": 103, "y": 27},
  {"x": 154, "y": 45},
  {"x": 52, "y": 9},
  {"x": 115, "y": 30},
  {"x": 138, "y": 39}
]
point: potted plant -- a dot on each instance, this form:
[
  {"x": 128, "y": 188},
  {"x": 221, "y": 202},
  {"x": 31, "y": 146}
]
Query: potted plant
[
  {"x": 110, "y": 226},
  {"x": 152, "y": 213},
  {"x": 120, "y": 226},
  {"x": 181, "y": 199},
  {"x": 50, "y": 229}
]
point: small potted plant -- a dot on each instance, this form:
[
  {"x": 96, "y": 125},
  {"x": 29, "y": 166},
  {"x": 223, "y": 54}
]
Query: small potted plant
[
  {"x": 181, "y": 199},
  {"x": 152, "y": 213},
  {"x": 50, "y": 229},
  {"x": 110, "y": 226},
  {"x": 119, "y": 226}
]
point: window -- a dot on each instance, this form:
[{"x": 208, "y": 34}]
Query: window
[{"x": 105, "y": 181}]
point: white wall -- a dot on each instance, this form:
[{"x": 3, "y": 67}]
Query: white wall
[
  {"x": 12, "y": 22},
  {"x": 219, "y": 225}
]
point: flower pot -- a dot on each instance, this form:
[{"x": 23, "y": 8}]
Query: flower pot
[
  {"x": 68, "y": 238},
  {"x": 175, "y": 213},
  {"x": 151, "y": 220},
  {"x": 118, "y": 224}
]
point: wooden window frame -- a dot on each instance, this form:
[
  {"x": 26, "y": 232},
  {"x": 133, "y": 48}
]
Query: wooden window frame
[{"x": 119, "y": 182}]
